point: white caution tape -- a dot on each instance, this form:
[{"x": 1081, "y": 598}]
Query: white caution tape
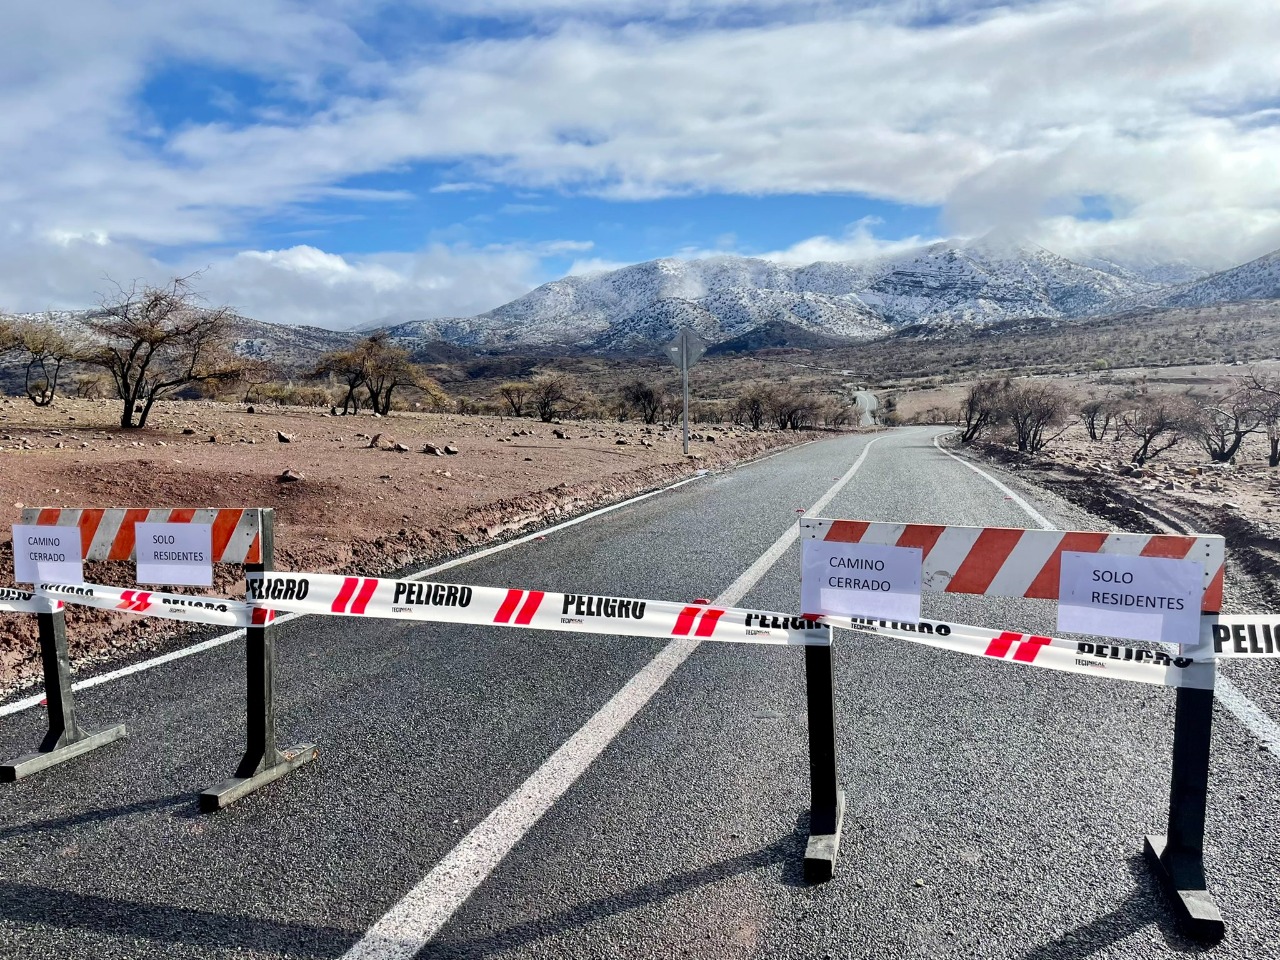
[
  {"x": 170, "y": 606},
  {"x": 534, "y": 609},
  {"x": 14, "y": 600},
  {"x": 1229, "y": 637},
  {"x": 1094, "y": 659}
]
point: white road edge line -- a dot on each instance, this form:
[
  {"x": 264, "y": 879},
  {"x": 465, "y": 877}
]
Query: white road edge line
[
  {"x": 1231, "y": 697},
  {"x": 17, "y": 706},
  {"x": 412, "y": 922}
]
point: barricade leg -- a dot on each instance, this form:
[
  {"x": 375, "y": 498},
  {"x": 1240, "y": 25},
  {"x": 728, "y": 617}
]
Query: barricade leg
[
  {"x": 1178, "y": 857},
  {"x": 263, "y": 762},
  {"x": 65, "y": 738},
  {"x": 826, "y": 815}
]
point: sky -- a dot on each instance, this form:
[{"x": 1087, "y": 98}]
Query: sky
[{"x": 341, "y": 162}]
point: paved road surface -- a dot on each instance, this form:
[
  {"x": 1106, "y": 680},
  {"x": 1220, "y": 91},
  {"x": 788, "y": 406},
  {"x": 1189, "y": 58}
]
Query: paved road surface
[{"x": 994, "y": 810}]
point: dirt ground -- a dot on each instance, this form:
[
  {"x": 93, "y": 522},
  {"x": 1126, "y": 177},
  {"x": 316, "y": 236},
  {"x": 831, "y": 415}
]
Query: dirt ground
[{"x": 369, "y": 499}]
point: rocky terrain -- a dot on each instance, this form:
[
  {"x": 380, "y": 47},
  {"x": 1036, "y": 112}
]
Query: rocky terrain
[
  {"x": 352, "y": 494},
  {"x": 1178, "y": 491}
]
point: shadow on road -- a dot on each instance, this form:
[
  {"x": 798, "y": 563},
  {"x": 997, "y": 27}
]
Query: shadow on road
[
  {"x": 164, "y": 923},
  {"x": 1145, "y": 906},
  {"x": 184, "y": 807},
  {"x": 788, "y": 851}
]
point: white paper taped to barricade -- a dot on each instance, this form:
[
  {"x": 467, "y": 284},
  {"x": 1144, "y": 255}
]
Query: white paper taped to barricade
[
  {"x": 1233, "y": 637},
  {"x": 170, "y": 606},
  {"x": 15, "y": 600},
  {"x": 534, "y": 609},
  {"x": 1089, "y": 658}
]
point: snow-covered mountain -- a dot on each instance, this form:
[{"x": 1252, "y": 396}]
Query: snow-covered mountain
[
  {"x": 976, "y": 282},
  {"x": 719, "y": 297},
  {"x": 285, "y": 344},
  {"x": 988, "y": 280},
  {"x": 968, "y": 282},
  {"x": 1256, "y": 280}
]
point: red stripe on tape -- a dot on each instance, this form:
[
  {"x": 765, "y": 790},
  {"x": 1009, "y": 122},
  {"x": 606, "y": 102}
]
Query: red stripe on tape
[
  {"x": 530, "y": 607},
  {"x": 999, "y": 647},
  {"x": 508, "y": 607},
  {"x": 365, "y": 595},
  {"x": 707, "y": 623},
  {"x": 685, "y": 621},
  {"x": 348, "y": 588},
  {"x": 1028, "y": 649}
]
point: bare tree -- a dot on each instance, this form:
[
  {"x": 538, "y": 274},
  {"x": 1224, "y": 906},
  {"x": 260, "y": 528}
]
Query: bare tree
[
  {"x": 1157, "y": 423},
  {"x": 1265, "y": 390},
  {"x": 982, "y": 408},
  {"x": 1098, "y": 414},
  {"x": 516, "y": 394},
  {"x": 154, "y": 341},
  {"x": 348, "y": 367},
  {"x": 1220, "y": 424},
  {"x": 550, "y": 395},
  {"x": 1033, "y": 409},
  {"x": 752, "y": 405},
  {"x": 387, "y": 368},
  {"x": 47, "y": 349},
  {"x": 645, "y": 398},
  {"x": 789, "y": 408}
]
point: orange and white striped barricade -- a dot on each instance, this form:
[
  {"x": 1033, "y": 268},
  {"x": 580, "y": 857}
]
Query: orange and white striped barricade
[
  {"x": 1005, "y": 562},
  {"x": 238, "y": 535}
]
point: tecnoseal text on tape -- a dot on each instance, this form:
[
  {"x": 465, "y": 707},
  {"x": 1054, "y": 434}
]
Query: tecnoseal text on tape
[
  {"x": 1090, "y": 658},
  {"x": 534, "y": 609}
]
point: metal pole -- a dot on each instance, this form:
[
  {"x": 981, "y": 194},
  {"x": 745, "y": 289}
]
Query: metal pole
[
  {"x": 263, "y": 762},
  {"x": 826, "y": 811},
  {"x": 684, "y": 376},
  {"x": 65, "y": 738},
  {"x": 1179, "y": 856}
]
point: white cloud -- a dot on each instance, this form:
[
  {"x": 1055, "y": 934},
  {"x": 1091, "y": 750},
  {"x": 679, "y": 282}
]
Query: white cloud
[
  {"x": 858, "y": 242},
  {"x": 1002, "y": 115},
  {"x": 300, "y": 284}
]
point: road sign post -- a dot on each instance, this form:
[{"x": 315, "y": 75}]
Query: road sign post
[{"x": 685, "y": 350}]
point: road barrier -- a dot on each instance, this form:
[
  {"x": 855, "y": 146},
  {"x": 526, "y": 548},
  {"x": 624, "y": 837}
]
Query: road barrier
[
  {"x": 242, "y": 536},
  {"x": 973, "y": 560},
  {"x": 995, "y": 561}
]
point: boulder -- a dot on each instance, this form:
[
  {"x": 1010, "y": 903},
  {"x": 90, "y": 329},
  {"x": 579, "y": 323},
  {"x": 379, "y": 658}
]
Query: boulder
[
  {"x": 280, "y": 434},
  {"x": 289, "y": 476}
]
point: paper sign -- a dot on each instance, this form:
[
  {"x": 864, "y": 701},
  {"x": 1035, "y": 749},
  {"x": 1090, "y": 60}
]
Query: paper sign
[
  {"x": 861, "y": 580},
  {"x": 1137, "y": 598},
  {"x": 44, "y": 554},
  {"x": 175, "y": 553}
]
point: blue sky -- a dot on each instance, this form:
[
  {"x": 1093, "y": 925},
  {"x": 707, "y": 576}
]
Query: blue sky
[{"x": 340, "y": 161}]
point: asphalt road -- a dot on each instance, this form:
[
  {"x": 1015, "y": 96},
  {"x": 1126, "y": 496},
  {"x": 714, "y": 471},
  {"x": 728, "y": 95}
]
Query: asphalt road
[{"x": 993, "y": 810}]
